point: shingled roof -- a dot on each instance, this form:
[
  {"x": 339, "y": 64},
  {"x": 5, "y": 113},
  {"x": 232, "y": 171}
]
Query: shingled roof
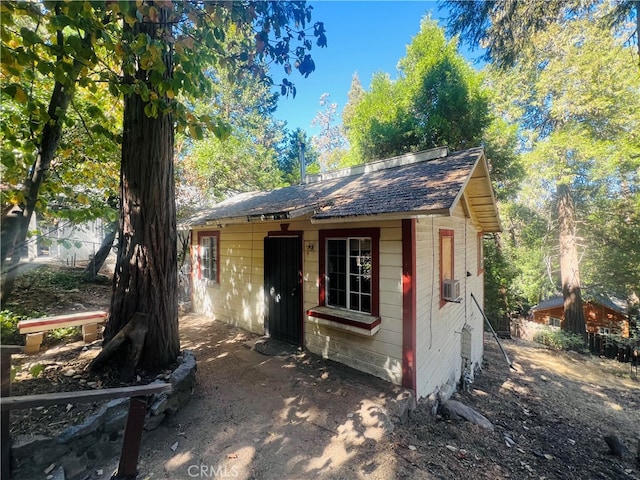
[{"x": 428, "y": 182}]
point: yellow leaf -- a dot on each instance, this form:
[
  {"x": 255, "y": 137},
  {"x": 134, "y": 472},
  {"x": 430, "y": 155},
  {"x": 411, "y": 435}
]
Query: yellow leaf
[
  {"x": 19, "y": 95},
  {"x": 131, "y": 20},
  {"x": 170, "y": 94},
  {"x": 154, "y": 16}
]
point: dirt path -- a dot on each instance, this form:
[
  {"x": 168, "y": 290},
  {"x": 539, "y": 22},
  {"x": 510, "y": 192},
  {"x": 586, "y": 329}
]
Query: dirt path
[
  {"x": 254, "y": 416},
  {"x": 257, "y": 416},
  {"x": 288, "y": 417}
]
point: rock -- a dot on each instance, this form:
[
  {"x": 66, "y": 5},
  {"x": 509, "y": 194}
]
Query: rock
[
  {"x": 458, "y": 410},
  {"x": 154, "y": 421},
  {"x": 23, "y": 446},
  {"x": 74, "y": 465},
  {"x": 94, "y": 422},
  {"x": 58, "y": 474},
  {"x": 400, "y": 408},
  {"x": 69, "y": 372},
  {"x": 160, "y": 402}
]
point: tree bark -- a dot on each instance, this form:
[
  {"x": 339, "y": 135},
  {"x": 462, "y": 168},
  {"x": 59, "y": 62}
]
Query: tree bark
[
  {"x": 569, "y": 265},
  {"x": 145, "y": 278},
  {"x": 91, "y": 272},
  {"x": 15, "y": 225}
]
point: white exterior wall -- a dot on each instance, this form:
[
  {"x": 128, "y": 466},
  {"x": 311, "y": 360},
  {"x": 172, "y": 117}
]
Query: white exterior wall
[
  {"x": 380, "y": 354},
  {"x": 439, "y": 329},
  {"x": 239, "y": 297}
]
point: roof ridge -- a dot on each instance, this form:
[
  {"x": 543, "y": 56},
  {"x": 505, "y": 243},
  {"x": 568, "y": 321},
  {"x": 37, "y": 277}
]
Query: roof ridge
[{"x": 377, "y": 165}]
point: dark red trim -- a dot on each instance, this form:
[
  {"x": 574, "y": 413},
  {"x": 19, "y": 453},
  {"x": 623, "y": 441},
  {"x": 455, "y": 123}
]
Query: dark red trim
[
  {"x": 480, "y": 252},
  {"x": 374, "y": 234},
  {"x": 345, "y": 321},
  {"x": 446, "y": 233},
  {"x": 74, "y": 317},
  {"x": 409, "y": 366},
  {"x": 198, "y": 270}
]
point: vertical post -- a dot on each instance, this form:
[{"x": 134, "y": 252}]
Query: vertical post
[
  {"x": 128, "y": 466},
  {"x": 5, "y": 391},
  {"x": 5, "y": 441}
]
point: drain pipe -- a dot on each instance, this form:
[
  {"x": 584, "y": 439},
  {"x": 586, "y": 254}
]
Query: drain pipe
[{"x": 506, "y": 357}]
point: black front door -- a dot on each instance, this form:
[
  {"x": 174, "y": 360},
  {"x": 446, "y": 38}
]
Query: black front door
[{"x": 283, "y": 288}]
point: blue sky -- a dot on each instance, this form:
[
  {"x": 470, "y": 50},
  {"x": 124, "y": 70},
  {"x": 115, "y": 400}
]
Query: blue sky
[{"x": 362, "y": 36}]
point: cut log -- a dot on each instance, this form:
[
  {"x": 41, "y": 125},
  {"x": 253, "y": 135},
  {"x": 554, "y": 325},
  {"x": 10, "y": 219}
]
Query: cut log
[
  {"x": 616, "y": 447},
  {"x": 459, "y": 411},
  {"x": 131, "y": 337}
]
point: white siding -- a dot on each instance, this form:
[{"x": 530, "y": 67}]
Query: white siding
[
  {"x": 439, "y": 329},
  {"x": 239, "y": 298}
]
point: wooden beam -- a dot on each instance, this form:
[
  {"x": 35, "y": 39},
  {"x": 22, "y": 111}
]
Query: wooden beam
[
  {"x": 5, "y": 391},
  {"x": 82, "y": 396}
]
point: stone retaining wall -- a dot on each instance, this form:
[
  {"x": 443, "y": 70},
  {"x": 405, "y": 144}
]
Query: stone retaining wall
[{"x": 81, "y": 449}]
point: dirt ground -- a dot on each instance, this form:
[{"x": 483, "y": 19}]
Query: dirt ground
[{"x": 297, "y": 416}]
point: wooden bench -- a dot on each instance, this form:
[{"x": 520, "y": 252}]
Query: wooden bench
[
  {"x": 34, "y": 328},
  {"x": 128, "y": 465}
]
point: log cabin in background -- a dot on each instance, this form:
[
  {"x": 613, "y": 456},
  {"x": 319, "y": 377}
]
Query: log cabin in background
[{"x": 602, "y": 314}]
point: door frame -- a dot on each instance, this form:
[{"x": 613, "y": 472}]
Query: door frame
[{"x": 284, "y": 232}]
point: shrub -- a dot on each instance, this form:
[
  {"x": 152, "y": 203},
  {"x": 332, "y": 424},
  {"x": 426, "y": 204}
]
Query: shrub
[
  {"x": 559, "y": 340},
  {"x": 9, "y": 334},
  {"x": 45, "y": 276}
]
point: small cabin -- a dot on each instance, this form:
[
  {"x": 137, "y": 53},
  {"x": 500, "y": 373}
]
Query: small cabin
[
  {"x": 373, "y": 266},
  {"x": 603, "y": 315}
]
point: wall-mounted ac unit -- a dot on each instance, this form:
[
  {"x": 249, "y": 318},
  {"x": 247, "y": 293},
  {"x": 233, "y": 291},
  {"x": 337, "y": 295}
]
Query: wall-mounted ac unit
[{"x": 451, "y": 290}]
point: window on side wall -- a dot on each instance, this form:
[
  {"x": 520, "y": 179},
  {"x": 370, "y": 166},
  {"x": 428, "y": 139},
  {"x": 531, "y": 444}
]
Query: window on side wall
[
  {"x": 209, "y": 256},
  {"x": 555, "y": 322},
  {"x": 349, "y": 269},
  {"x": 446, "y": 261}
]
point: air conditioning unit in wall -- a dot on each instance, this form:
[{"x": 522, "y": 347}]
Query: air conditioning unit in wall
[{"x": 451, "y": 290}]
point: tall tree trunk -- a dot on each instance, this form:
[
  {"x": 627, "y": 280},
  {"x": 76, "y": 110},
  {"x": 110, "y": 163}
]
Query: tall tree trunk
[
  {"x": 569, "y": 265},
  {"x": 15, "y": 225},
  {"x": 145, "y": 279},
  {"x": 94, "y": 266}
]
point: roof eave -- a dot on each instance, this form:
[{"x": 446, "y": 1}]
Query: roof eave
[
  {"x": 381, "y": 216},
  {"x": 494, "y": 224}
]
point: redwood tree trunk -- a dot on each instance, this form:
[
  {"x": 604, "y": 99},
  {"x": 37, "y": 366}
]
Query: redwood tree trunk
[
  {"x": 569, "y": 265},
  {"x": 145, "y": 279}
]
